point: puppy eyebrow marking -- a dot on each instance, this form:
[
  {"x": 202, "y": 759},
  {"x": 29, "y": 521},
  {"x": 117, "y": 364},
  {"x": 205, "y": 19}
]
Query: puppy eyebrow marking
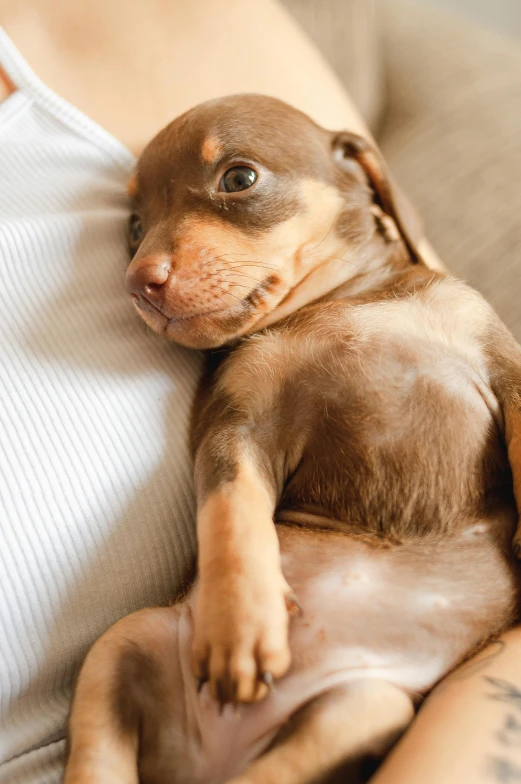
[
  {"x": 211, "y": 149},
  {"x": 132, "y": 187}
]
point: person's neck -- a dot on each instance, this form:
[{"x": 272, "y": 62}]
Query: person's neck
[
  {"x": 105, "y": 21},
  {"x": 134, "y": 66},
  {"x": 97, "y": 28},
  {"x": 119, "y": 61}
]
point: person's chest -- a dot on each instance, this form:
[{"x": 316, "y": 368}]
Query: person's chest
[{"x": 133, "y": 69}]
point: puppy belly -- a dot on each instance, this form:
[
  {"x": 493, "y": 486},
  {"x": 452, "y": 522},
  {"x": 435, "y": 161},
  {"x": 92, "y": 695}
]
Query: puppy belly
[{"x": 406, "y": 615}]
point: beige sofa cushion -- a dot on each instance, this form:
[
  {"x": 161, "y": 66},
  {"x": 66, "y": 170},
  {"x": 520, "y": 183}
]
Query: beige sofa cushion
[
  {"x": 452, "y": 136},
  {"x": 346, "y": 32}
]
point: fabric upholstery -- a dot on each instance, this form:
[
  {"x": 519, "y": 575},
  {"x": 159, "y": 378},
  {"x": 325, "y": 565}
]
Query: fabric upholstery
[
  {"x": 452, "y": 136},
  {"x": 346, "y": 32}
]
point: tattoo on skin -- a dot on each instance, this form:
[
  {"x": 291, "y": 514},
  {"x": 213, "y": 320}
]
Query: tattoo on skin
[
  {"x": 510, "y": 734},
  {"x": 501, "y": 767},
  {"x": 505, "y": 692},
  {"x": 505, "y": 771}
]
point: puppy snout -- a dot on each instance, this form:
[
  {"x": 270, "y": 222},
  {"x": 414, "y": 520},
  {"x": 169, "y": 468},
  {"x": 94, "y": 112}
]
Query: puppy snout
[{"x": 146, "y": 278}]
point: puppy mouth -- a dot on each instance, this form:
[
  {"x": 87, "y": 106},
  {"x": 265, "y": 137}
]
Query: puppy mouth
[
  {"x": 173, "y": 320},
  {"x": 216, "y": 326},
  {"x": 243, "y": 306}
]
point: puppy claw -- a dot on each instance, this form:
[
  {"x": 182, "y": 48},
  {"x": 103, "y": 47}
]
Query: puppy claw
[
  {"x": 231, "y": 650},
  {"x": 267, "y": 679},
  {"x": 200, "y": 684}
]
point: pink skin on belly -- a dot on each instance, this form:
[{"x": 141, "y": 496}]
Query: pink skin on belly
[{"x": 406, "y": 614}]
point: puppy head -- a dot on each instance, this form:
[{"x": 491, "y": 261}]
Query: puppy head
[{"x": 245, "y": 209}]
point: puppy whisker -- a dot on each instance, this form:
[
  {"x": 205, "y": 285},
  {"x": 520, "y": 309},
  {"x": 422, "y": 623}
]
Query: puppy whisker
[
  {"x": 239, "y": 299},
  {"x": 239, "y": 285},
  {"x": 252, "y": 264},
  {"x": 337, "y": 258},
  {"x": 324, "y": 237},
  {"x": 225, "y": 271},
  {"x": 222, "y": 274}
]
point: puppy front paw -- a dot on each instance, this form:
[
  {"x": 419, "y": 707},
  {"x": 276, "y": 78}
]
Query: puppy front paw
[{"x": 241, "y": 635}]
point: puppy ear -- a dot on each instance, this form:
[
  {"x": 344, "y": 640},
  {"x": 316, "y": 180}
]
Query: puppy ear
[{"x": 349, "y": 148}]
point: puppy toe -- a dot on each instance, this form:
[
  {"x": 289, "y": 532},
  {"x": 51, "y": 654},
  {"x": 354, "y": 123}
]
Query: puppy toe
[
  {"x": 233, "y": 676},
  {"x": 273, "y": 662}
]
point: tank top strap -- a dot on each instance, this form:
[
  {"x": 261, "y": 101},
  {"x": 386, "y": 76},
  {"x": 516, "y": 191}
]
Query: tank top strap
[{"x": 29, "y": 85}]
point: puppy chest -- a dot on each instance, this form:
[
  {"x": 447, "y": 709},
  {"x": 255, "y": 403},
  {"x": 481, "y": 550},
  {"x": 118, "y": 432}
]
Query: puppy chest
[
  {"x": 364, "y": 421},
  {"x": 359, "y": 384}
]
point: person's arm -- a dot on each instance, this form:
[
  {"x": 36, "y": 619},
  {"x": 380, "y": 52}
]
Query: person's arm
[{"x": 469, "y": 729}]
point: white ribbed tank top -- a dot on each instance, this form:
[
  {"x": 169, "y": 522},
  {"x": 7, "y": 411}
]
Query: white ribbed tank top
[{"x": 96, "y": 505}]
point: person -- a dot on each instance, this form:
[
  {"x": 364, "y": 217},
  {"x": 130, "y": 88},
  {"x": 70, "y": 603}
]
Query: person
[{"x": 97, "y": 508}]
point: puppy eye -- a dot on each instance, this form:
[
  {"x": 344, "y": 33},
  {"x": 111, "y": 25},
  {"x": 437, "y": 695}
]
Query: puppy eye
[
  {"x": 136, "y": 229},
  {"x": 237, "y": 179}
]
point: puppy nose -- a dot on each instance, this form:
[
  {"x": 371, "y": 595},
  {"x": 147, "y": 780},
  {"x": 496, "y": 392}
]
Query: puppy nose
[{"x": 148, "y": 276}]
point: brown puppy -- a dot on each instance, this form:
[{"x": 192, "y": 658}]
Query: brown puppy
[{"x": 375, "y": 415}]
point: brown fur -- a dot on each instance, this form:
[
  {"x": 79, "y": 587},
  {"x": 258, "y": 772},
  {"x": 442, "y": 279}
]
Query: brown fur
[{"x": 359, "y": 394}]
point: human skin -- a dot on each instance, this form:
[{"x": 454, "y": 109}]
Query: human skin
[
  {"x": 125, "y": 63},
  {"x": 469, "y": 729},
  {"x": 94, "y": 55}
]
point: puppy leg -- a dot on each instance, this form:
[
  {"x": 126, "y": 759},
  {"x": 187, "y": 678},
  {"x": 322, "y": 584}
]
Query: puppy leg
[
  {"x": 339, "y": 728},
  {"x": 120, "y": 685},
  {"x": 241, "y": 611},
  {"x": 513, "y": 441},
  {"x": 242, "y": 603},
  {"x": 505, "y": 375},
  {"x": 100, "y": 750}
]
